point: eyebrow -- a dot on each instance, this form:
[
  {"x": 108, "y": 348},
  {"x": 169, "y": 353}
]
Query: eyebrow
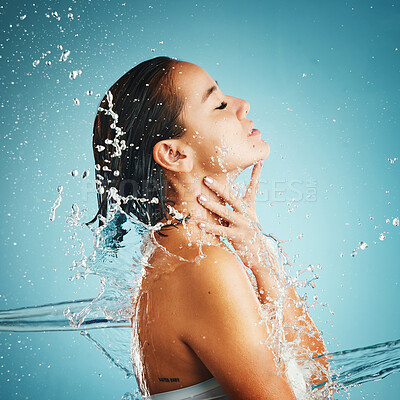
[{"x": 208, "y": 92}]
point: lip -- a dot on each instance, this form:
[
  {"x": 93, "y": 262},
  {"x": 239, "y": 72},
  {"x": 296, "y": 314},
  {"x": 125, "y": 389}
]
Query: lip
[
  {"x": 251, "y": 127},
  {"x": 255, "y": 132}
]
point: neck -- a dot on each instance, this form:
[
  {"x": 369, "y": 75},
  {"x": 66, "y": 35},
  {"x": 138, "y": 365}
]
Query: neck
[{"x": 183, "y": 190}]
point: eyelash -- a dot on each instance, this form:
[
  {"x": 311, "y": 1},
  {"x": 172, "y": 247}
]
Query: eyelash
[{"x": 222, "y": 106}]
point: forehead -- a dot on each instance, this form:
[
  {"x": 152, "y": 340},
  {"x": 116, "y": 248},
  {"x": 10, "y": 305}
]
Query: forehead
[{"x": 192, "y": 81}]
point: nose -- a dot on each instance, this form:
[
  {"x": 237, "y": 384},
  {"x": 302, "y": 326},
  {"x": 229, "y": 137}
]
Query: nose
[{"x": 243, "y": 109}]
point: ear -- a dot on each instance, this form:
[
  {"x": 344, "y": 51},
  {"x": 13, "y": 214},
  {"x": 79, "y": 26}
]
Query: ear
[{"x": 173, "y": 155}]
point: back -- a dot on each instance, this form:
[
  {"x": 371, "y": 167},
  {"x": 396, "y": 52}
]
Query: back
[{"x": 169, "y": 363}]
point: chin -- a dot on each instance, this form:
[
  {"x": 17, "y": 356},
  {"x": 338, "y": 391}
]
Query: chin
[
  {"x": 254, "y": 155},
  {"x": 267, "y": 150},
  {"x": 261, "y": 152}
]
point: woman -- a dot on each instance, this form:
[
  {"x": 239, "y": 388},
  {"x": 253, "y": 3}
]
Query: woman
[{"x": 168, "y": 146}]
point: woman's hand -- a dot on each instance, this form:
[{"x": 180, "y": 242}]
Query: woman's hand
[
  {"x": 241, "y": 227},
  {"x": 242, "y": 230}
]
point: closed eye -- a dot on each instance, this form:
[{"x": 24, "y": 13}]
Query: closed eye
[{"x": 222, "y": 106}]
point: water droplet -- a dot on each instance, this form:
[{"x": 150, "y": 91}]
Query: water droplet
[
  {"x": 55, "y": 15},
  {"x": 74, "y": 172},
  {"x": 74, "y": 74},
  {"x": 22, "y": 17},
  {"x": 65, "y": 54},
  {"x": 36, "y": 63},
  {"x": 100, "y": 148},
  {"x": 387, "y": 220},
  {"x": 76, "y": 101},
  {"x": 75, "y": 208},
  {"x": 382, "y": 236},
  {"x": 109, "y": 97},
  {"x": 89, "y": 92},
  {"x": 341, "y": 254},
  {"x": 396, "y": 221},
  {"x": 353, "y": 253},
  {"x": 56, "y": 204},
  {"x": 363, "y": 245},
  {"x": 71, "y": 16},
  {"x": 85, "y": 173}
]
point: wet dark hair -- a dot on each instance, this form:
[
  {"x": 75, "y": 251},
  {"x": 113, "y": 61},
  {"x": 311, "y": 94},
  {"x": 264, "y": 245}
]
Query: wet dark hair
[{"x": 142, "y": 108}]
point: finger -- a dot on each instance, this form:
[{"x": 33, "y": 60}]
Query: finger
[
  {"x": 218, "y": 209},
  {"x": 214, "y": 229},
  {"x": 225, "y": 194},
  {"x": 251, "y": 191}
]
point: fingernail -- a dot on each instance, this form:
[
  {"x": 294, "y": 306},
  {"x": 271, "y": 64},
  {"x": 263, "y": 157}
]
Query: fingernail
[
  {"x": 202, "y": 225},
  {"x": 261, "y": 162},
  {"x": 208, "y": 179},
  {"x": 202, "y": 198}
]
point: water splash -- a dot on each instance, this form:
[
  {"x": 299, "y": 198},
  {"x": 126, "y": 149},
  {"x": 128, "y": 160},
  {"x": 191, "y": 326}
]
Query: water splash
[
  {"x": 56, "y": 204},
  {"x": 351, "y": 367},
  {"x": 52, "y": 317},
  {"x": 119, "y": 256},
  {"x": 365, "y": 364}
]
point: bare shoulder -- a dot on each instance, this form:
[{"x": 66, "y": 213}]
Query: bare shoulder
[
  {"x": 219, "y": 281},
  {"x": 218, "y": 267},
  {"x": 224, "y": 327},
  {"x": 218, "y": 277}
]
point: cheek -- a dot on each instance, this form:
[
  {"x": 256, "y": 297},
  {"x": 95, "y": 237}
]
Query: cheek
[
  {"x": 219, "y": 139},
  {"x": 233, "y": 140},
  {"x": 205, "y": 148},
  {"x": 228, "y": 131}
]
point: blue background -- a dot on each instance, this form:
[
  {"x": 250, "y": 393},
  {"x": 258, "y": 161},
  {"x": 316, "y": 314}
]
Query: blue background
[{"x": 322, "y": 79}]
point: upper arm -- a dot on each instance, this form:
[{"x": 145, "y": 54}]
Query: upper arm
[{"x": 225, "y": 330}]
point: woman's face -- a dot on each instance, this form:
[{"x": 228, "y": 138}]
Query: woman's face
[{"x": 218, "y": 131}]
